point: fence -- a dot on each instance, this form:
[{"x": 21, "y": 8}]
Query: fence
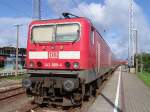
[{"x": 11, "y": 73}]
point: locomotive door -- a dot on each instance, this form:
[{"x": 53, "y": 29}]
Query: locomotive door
[{"x": 98, "y": 57}]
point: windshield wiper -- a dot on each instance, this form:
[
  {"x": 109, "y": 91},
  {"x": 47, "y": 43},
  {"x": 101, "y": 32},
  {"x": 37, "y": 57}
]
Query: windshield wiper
[
  {"x": 74, "y": 41},
  {"x": 78, "y": 35}
]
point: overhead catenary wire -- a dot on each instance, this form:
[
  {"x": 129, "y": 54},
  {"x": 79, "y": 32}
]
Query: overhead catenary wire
[
  {"x": 28, "y": 3},
  {"x": 6, "y": 29},
  {"x": 13, "y": 8},
  {"x": 93, "y": 20},
  {"x": 10, "y": 29},
  {"x": 76, "y": 4}
]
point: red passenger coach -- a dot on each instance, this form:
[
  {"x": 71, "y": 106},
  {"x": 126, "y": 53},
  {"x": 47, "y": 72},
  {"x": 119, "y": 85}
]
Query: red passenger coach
[{"x": 66, "y": 60}]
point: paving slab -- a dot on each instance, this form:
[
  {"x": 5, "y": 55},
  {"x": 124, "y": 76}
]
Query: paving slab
[
  {"x": 124, "y": 92},
  {"x": 106, "y": 100},
  {"x": 136, "y": 94}
]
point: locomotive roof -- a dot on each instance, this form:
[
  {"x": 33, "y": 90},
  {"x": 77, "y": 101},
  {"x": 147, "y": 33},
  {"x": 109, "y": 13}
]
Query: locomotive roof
[
  {"x": 62, "y": 19},
  {"x": 70, "y": 19}
]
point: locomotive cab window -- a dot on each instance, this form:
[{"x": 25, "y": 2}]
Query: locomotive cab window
[
  {"x": 67, "y": 32},
  {"x": 56, "y": 33},
  {"x": 42, "y": 33}
]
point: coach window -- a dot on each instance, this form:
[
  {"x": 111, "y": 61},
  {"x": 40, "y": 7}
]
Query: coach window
[{"x": 92, "y": 37}]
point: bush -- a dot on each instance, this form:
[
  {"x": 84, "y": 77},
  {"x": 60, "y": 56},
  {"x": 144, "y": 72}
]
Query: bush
[{"x": 144, "y": 59}]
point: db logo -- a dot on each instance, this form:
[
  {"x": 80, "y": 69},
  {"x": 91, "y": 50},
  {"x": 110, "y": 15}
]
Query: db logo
[{"x": 53, "y": 54}]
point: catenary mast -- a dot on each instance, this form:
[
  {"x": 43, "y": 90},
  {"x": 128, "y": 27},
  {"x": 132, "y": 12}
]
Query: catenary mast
[{"x": 131, "y": 37}]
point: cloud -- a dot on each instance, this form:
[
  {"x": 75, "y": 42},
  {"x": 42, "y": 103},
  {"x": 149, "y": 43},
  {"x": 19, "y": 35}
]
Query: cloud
[
  {"x": 8, "y": 31},
  {"x": 111, "y": 16},
  {"x": 59, "y": 6}
]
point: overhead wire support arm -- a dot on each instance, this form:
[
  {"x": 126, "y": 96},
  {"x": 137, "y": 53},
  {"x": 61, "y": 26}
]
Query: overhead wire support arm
[{"x": 37, "y": 9}]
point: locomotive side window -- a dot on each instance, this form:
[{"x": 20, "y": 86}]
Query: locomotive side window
[
  {"x": 92, "y": 37},
  {"x": 67, "y": 32},
  {"x": 42, "y": 33}
]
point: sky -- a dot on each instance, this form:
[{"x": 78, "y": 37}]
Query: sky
[{"x": 110, "y": 17}]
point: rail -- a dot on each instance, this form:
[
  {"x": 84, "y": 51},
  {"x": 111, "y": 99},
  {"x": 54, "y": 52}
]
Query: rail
[{"x": 12, "y": 92}]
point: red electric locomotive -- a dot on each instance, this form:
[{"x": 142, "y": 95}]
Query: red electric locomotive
[{"x": 66, "y": 60}]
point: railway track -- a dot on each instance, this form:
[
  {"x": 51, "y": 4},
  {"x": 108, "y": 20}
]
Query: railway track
[
  {"x": 6, "y": 93},
  {"x": 29, "y": 107},
  {"x": 17, "y": 91},
  {"x": 84, "y": 108}
]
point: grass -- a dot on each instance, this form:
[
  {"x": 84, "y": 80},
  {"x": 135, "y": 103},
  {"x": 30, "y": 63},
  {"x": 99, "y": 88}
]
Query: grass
[
  {"x": 1, "y": 69},
  {"x": 145, "y": 77},
  {"x": 18, "y": 77}
]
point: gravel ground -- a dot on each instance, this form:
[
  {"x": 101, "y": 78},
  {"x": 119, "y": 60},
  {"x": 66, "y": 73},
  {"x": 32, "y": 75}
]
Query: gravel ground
[
  {"x": 8, "y": 82},
  {"x": 14, "y": 103}
]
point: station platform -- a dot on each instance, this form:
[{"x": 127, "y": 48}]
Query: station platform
[{"x": 124, "y": 92}]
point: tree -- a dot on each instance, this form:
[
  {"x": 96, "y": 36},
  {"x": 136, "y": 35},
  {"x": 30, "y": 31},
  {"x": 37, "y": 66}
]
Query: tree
[{"x": 144, "y": 60}]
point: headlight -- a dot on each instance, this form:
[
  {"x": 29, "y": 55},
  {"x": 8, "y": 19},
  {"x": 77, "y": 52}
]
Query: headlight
[
  {"x": 31, "y": 64},
  {"x": 68, "y": 85},
  {"x": 26, "y": 83},
  {"x": 39, "y": 64},
  {"x": 76, "y": 65},
  {"x": 67, "y": 64}
]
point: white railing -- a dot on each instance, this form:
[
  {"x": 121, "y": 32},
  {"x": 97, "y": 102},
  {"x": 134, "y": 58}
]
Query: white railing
[{"x": 11, "y": 72}]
